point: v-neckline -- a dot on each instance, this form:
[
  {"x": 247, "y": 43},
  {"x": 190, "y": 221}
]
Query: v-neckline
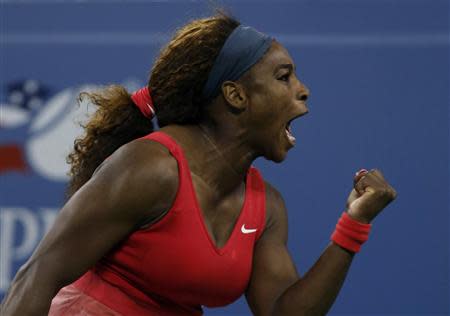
[{"x": 198, "y": 210}]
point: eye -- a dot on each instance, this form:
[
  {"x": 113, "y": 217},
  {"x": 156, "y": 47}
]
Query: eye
[{"x": 285, "y": 77}]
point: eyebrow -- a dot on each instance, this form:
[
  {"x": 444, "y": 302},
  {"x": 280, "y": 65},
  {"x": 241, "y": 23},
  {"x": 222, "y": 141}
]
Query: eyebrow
[{"x": 287, "y": 66}]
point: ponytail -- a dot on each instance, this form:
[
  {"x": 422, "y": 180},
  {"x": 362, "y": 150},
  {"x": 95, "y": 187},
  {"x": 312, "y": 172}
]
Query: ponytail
[
  {"x": 176, "y": 82},
  {"x": 116, "y": 122}
]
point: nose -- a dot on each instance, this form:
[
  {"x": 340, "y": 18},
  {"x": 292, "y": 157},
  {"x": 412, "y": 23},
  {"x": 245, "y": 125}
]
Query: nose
[
  {"x": 303, "y": 92},
  {"x": 302, "y": 95}
]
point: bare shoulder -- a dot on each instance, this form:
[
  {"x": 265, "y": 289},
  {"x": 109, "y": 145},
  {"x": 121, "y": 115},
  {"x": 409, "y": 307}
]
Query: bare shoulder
[
  {"x": 147, "y": 157},
  {"x": 141, "y": 175},
  {"x": 276, "y": 213},
  {"x": 274, "y": 198}
]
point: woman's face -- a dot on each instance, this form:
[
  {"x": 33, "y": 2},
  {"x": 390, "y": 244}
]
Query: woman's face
[{"x": 275, "y": 98}]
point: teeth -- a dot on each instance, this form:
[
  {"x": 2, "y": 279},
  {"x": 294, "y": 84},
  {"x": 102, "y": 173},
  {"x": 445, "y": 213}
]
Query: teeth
[{"x": 289, "y": 134}]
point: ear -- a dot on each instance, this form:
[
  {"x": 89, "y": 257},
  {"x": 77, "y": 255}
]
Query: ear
[{"x": 234, "y": 94}]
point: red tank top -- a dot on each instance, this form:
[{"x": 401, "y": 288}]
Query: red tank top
[{"x": 173, "y": 267}]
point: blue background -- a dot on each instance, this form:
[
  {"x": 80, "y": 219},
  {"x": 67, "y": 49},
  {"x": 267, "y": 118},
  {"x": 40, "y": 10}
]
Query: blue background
[{"x": 378, "y": 72}]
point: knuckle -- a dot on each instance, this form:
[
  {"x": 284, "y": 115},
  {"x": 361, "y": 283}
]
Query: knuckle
[
  {"x": 383, "y": 192},
  {"x": 388, "y": 192},
  {"x": 360, "y": 185},
  {"x": 393, "y": 193}
]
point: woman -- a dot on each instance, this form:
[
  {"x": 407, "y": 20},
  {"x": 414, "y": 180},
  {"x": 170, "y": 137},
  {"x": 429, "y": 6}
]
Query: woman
[{"x": 162, "y": 223}]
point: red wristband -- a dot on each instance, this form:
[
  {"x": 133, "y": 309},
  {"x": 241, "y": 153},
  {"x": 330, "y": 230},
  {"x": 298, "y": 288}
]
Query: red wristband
[{"x": 350, "y": 234}]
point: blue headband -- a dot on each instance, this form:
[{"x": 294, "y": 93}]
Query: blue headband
[{"x": 243, "y": 48}]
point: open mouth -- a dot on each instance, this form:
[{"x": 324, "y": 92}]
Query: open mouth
[
  {"x": 288, "y": 131},
  {"x": 289, "y": 135}
]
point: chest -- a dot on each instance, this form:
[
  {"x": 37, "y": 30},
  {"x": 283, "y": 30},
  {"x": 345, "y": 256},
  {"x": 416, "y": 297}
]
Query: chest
[
  {"x": 182, "y": 255},
  {"x": 178, "y": 258},
  {"x": 218, "y": 213}
]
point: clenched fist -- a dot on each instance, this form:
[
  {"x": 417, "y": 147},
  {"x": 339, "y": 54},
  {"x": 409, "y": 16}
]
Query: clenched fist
[{"x": 370, "y": 195}]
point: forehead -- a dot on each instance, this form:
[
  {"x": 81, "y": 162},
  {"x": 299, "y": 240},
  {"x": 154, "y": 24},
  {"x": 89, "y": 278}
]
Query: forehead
[{"x": 275, "y": 56}]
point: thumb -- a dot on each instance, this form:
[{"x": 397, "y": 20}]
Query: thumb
[
  {"x": 364, "y": 189},
  {"x": 352, "y": 197},
  {"x": 369, "y": 189}
]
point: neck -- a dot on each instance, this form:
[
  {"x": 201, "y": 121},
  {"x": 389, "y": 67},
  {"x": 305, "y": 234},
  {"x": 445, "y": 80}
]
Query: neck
[{"x": 223, "y": 158}]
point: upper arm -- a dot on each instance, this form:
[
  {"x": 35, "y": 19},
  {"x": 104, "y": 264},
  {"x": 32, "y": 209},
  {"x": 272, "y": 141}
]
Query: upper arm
[
  {"x": 273, "y": 269},
  {"x": 137, "y": 182}
]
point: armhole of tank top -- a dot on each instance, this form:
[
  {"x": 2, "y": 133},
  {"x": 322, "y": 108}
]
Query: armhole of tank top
[
  {"x": 261, "y": 196},
  {"x": 149, "y": 223}
]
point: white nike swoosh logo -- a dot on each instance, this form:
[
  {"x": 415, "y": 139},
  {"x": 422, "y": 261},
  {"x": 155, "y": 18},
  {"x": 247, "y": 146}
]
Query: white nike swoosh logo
[{"x": 247, "y": 231}]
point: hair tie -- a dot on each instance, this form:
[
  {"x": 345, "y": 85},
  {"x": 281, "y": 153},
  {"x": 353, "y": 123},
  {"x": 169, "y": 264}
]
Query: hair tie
[{"x": 143, "y": 100}]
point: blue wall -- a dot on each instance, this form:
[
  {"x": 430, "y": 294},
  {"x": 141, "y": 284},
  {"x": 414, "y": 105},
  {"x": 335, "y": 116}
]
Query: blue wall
[{"x": 379, "y": 76}]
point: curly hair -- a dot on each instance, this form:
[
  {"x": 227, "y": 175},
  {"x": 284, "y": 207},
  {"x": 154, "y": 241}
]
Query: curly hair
[{"x": 176, "y": 81}]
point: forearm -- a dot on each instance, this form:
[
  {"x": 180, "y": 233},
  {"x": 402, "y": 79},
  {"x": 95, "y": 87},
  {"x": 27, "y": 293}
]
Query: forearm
[
  {"x": 29, "y": 295},
  {"x": 316, "y": 291}
]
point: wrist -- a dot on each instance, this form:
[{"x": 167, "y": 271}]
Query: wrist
[
  {"x": 357, "y": 217},
  {"x": 350, "y": 233},
  {"x": 341, "y": 248}
]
